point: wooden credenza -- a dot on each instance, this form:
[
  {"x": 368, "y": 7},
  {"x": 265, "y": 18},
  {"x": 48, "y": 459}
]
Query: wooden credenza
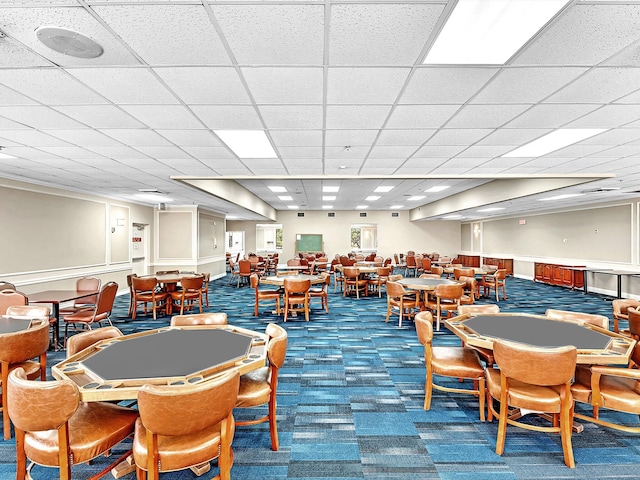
[
  {"x": 506, "y": 263},
  {"x": 556, "y": 274},
  {"x": 469, "y": 260}
]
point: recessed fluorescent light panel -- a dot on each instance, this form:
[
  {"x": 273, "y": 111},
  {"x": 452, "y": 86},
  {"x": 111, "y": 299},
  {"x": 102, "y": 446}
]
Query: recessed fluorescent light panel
[
  {"x": 436, "y": 189},
  {"x": 247, "y": 143},
  {"x": 362, "y": 207},
  {"x": 293, "y": 207},
  {"x": 4, "y": 155},
  {"x": 452, "y": 217},
  {"x": 330, "y": 189},
  {"x": 553, "y": 141},
  {"x": 372, "y": 198},
  {"x": 491, "y": 209},
  {"x": 384, "y": 189},
  {"x": 153, "y": 197},
  {"x": 415, "y": 198},
  {"x": 277, "y": 189},
  {"x": 285, "y": 198},
  {"x": 490, "y": 31},
  {"x": 395, "y": 207},
  {"x": 327, "y": 207},
  {"x": 328, "y": 198},
  {"x": 560, "y": 197}
]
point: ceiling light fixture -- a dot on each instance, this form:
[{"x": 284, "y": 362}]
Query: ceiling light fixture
[
  {"x": 415, "y": 198},
  {"x": 372, "y": 198},
  {"x": 68, "y": 42},
  {"x": 560, "y": 197},
  {"x": 327, "y": 207},
  {"x": 436, "y": 189},
  {"x": 395, "y": 207},
  {"x": 491, "y": 209},
  {"x": 285, "y": 198},
  {"x": 277, "y": 189},
  {"x": 247, "y": 143},
  {"x": 553, "y": 141},
  {"x": 384, "y": 188},
  {"x": 328, "y": 198},
  {"x": 330, "y": 189},
  {"x": 362, "y": 207},
  {"x": 489, "y": 32}
]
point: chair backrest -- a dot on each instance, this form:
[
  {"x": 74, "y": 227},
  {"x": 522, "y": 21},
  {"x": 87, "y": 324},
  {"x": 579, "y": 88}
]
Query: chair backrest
[
  {"x": 437, "y": 270},
  {"x": 144, "y": 284},
  {"x": 486, "y": 309},
  {"x": 395, "y": 277},
  {"x": 578, "y": 317},
  {"x": 192, "y": 284},
  {"x": 211, "y": 318},
  {"x": 82, "y": 340},
  {"x": 634, "y": 322},
  {"x": 426, "y": 263},
  {"x": 198, "y": 406},
  {"x": 104, "y": 304},
  {"x": 293, "y": 262},
  {"x": 296, "y": 285},
  {"x": 88, "y": 284},
  {"x": 382, "y": 272},
  {"x": 168, "y": 272},
  {"x": 500, "y": 274},
  {"x": 28, "y": 311},
  {"x": 411, "y": 261},
  {"x": 24, "y": 345},
  {"x": 244, "y": 266},
  {"x": 11, "y": 297},
  {"x": 255, "y": 281},
  {"x": 40, "y": 406},
  {"x": 463, "y": 272},
  {"x": 395, "y": 290},
  {"x": 448, "y": 291},
  {"x": 424, "y": 327},
  {"x": 536, "y": 365},
  {"x": 277, "y": 349},
  {"x": 469, "y": 284},
  {"x": 7, "y": 286},
  {"x": 621, "y": 305},
  {"x": 351, "y": 272}
]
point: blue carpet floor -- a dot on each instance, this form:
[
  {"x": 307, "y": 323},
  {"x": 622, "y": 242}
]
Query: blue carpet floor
[{"x": 350, "y": 403}]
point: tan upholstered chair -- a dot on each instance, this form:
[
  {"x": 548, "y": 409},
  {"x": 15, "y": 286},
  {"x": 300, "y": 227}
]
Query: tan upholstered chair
[
  {"x": 354, "y": 282},
  {"x": 446, "y": 361},
  {"x": 26, "y": 349},
  {"x": 55, "y": 429},
  {"x": 485, "y": 309},
  {"x": 468, "y": 290},
  {"x": 211, "y": 318},
  {"x": 405, "y": 301},
  {"x": 10, "y": 297},
  {"x": 189, "y": 295},
  {"x": 533, "y": 378},
  {"x": 578, "y": 317},
  {"x": 411, "y": 266},
  {"x": 620, "y": 307},
  {"x": 495, "y": 282},
  {"x": 84, "y": 303},
  {"x": 204, "y": 431},
  {"x": 145, "y": 291},
  {"x": 634, "y": 324},
  {"x": 82, "y": 340},
  {"x": 264, "y": 295},
  {"x": 611, "y": 388},
  {"x": 260, "y": 386},
  {"x": 29, "y": 311},
  {"x": 87, "y": 319},
  {"x": 376, "y": 283},
  {"x": 463, "y": 272},
  {"x": 321, "y": 291},
  {"x": 437, "y": 270},
  {"x": 445, "y": 298},
  {"x": 296, "y": 292}
]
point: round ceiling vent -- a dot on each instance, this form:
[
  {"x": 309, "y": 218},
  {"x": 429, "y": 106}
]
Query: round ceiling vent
[{"x": 69, "y": 42}]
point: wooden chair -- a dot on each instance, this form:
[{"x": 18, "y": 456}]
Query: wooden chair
[
  {"x": 376, "y": 283},
  {"x": 130, "y": 286},
  {"x": 29, "y": 311},
  {"x": 204, "y": 430},
  {"x": 145, "y": 291},
  {"x": 83, "y": 284},
  {"x": 189, "y": 294},
  {"x": 25, "y": 349},
  {"x": 445, "y": 298},
  {"x": 6, "y": 286},
  {"x": 634, "y": 324},
  {"x": 463, "y": 272},
  {"x": 264, "y": 295},
  {"x": 486, "y": 309},
  {"x": 83, "y": 340},
  {"x": 54, "y": 429},
  {"x": 85, "y": 319},
  {"x": 411, "y": 266},
  {"x": 244, "y": 272},
  {"x": 468, "y": 290},
  {"x": 322, "y": 292},
  {"x": 233, "y": 270},
  {"x": 533, "y": 378},
  {"x": 353, "y": 282},
  {"x": 495, "y": 282},
  {"x": 338, "y": 278},
  {"x": 446, "y": 361},
  {"x": 10, "y": 297},
  {"x": 437, "y": 270},
  {"x": 260, "y": 386},
  {"x": 578, "y": 317},
  {"x": 620, "y": 307},
  {"x": 296, "y": 292},
  {"x": 406, "y": 301},
  {"x": 210, "y": 318},
  {"x": 205, "y": 288}
]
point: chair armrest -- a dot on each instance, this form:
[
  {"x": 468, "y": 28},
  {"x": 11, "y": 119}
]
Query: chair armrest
[{"x": 596, "y": 373}]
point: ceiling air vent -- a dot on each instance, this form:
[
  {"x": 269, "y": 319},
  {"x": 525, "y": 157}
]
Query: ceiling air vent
[
  {"x": 331, "y": 214},
  {"x": 363, "y": 214},
  {"x": 395, "y": 214},
  {"x": 301, "y": 214}
]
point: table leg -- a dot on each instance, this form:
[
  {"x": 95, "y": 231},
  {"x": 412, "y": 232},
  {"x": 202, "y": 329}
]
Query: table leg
[
  {"x": 584, "y": 286},
  {"x": 55, "y": 310},
  {"x": 619, "y": 286}
]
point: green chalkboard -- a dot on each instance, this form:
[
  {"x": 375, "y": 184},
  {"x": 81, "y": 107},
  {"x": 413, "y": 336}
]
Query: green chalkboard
[{"x": 309, "y": 242}]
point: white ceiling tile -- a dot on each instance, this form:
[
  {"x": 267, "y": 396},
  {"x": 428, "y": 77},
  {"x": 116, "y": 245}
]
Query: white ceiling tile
[
  {"x": 26, "y": 152},
  {"x": 32, "y": 138},
  {"x": 234, "y": 170},
  {"x": 614, "y": 137},
  {"x": 458, "y": 136},
  {"x": 52, "y": 87},
  {"x": 163, "y": 116},
  {"x": 167, "y": 34},
  {"x": 226, "y": 117},
  {"x": 100, "y": 116},
  {"x": 9, "y": 97},
  {"x": 365, "y": 85},
  {"x": 513, "y": 136},
  {"x": 342, "y": 153},
  {"x": 439, "y": 151},
  {"x": 264, "y": 163},
  {"x": 576, "y": 150},
  {"x": 273, "y": 34},
  {"x": 119, "y": 153},
  {"x": 349, "y": 137},
  {"x": 550, "y": 116},
  {"x": 6, "y": 124},
  {"x": 600, "y": 85},
  {"x": 125, "y": 85},
  {"x": 404, "y": 137},
  {"x": 285, "y": 85},
  {"x": 585, "y": 34},
  {"x": 608, "y": 116},
  {"x": 619, "y": 151},
  {"x": 39, "y": 117},
  {"x": 527, "y": 85},
  {"x": 484, "y": 151},
  {"x": 163, "y": 153},
  {"x": 198, "y": 85},
  {"x": 492, "y": 116},
  {"x": 209, "y": 152},
  {"x": 136, "y": 136},
  {"x": 300, "y": 152},
  {"x": 21, "y": 24},
  {"x": 192, "y": 138},
  {"x": 356, "y": 116},
  {"x": 389, "y": 151},
  {"x": 379, "y": 34},
  {"x": 296, "y": 138},
  {"x": 420, "y": 166},
  {"x": 70, "y": 152},
  {"x": 421, "y": 116},
  {"x": 445, "y": 85},
  {"x": 338, "y": 164},
  {"x": 82, "y": 137},
  {"x": 292, "y": 116},
  {"x": 13, "y": 54}
]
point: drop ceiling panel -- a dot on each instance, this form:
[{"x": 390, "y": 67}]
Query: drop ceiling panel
[
  {"x": 404, "y": 137},
  {"x": 365, "y": 85},
  {"x": 83, "y": 137},
  {"x": 300, "y": 152},
  {"x": 608, "y": 116},
  {"x": 21, "y": 23},
  {"x": 224, "y": 117},
  {"x": 458, "y": 136},
  {"x": 273, "y": 34},
  {"x": 550, "y": 116},
  {"x": 379, "y": 34},
  {"x": 202, "y": 85},
  {"x": 297, "y": 138},
  {"x": 13, "y": 54},
  {"x": 167, "y": 34},
  {"x": 513, "y": 136},
  {"x": 6, "y": 124},
  {"x": 292, "y": 116},
  {"x": 285, "y": 85},
  {"x": 32, "y": 138},
  {"x": 100, "y": 116},
  {"x": 423, "y": 116},
  {"x": 191, "y": 138},
  {"x": 163, "y": 153},
  {"x": 445, "y": 85},
  {"x": 483, "y": 151},
  {"x": 492, "y": 116},
  {"x": 392, "y": 151},
  {"x": 356, "y": 116},
  {"x": 600, "y": 85},
  {"x": 39, "y": 117},
  {"x": 122, "y": 153},
  {"x": 209, "y": 152},
  {"x": 136, "y": 136},
  {"x": 71, "y": 152},
  {"x": 350, "y": 137},
  {"x": 342, "y": 153},
  {"x": 442, "y": 151},
  {"x": 163, "y": 116}
]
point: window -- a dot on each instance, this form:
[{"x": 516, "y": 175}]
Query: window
[
  {"x": 364, "y": 236},
  {"x": 268, "y": 237}
]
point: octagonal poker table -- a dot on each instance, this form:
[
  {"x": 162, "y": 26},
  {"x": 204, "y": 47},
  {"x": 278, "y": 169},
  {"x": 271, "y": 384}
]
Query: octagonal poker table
[{"x": 116, "y": 368}]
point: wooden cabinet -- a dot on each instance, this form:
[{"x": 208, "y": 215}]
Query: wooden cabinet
[
  {"x": 469, "y": 260},
  {"x": 506, "y": 263},
  {"x": 555, "y": 274}
]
